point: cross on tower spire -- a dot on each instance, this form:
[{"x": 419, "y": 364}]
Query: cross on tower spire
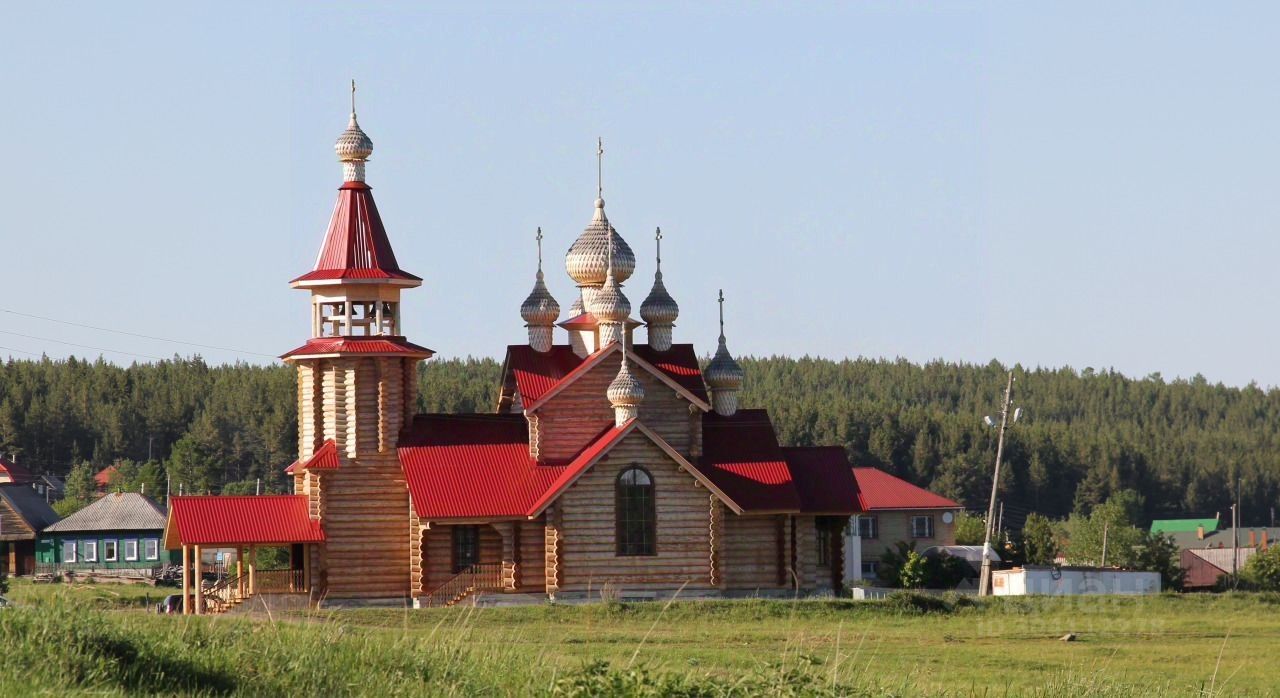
[
  {"x": 657, "y": 236},
  {"x": 539, "y": 238},
  {"x": 599, "y": 167},
  {"x": 720, "y": 300},
  {"x": 353, "y": 97}
]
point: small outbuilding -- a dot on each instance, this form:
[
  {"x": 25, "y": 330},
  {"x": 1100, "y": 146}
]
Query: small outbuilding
[
  {"x": 120, "y": 533},
  {"x": 1072, "y": 581}
]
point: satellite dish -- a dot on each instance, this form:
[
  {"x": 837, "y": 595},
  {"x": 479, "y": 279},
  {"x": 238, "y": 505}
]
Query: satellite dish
[
  {"x": 987, "y": 420},
  {"x": 948, "y": 517},
  {"x": 1017, "y": 414}
]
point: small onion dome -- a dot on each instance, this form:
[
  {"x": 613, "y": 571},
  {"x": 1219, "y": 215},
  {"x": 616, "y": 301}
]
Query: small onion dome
[
  {"x": 723, "y": 373},
  {"x": 625, "y": 390},
  {"x": 610, "y": 304},
  {"x": 577, "y": 308},
  {"x": 659, "y": 308},
  {"x": 353, "y": 145},
  {"x": 588, "y": 258},
  {"x": 540, "y": 308}
]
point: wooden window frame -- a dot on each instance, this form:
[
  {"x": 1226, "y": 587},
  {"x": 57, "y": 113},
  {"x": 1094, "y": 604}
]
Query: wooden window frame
[
  {"x": 130, "y": 543},
  {"x": 87, "y": 556},
  {"x": 75, "y": 551},
  {"x": 931, "y": 531},
  {"x": 648, "y": 544},
  {"x": 455, "y": 563},
  {"x": 822, "y": 536},
  {"x": 875, "y": 527},
  {"x": 110, "y": 551},
  {"x": 151, "y": 549}
]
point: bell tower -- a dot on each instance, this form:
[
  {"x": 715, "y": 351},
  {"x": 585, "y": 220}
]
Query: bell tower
[{"x": 357, "y": 378}]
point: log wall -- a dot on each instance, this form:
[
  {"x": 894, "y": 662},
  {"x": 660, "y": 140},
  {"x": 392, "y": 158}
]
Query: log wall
[
  {"x": 579, "y": 413},
  {"x": 362, "y": 404},
  {"x": 587, "y": 549},
  {"x": 437, "y": 562}
]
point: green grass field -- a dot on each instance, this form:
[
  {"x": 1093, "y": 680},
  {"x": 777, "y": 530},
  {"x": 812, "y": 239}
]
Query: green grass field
[{"x": 70, "y": 640}]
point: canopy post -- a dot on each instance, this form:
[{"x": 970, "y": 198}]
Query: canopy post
[
  {"x": 186, "y": 581},
  {"x": 199, "y": 581}
]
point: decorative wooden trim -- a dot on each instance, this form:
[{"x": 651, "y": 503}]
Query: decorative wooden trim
[{"x": 595, "y": 359}]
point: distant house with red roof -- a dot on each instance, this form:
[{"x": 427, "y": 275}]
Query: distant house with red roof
[
  {"x": 10, "y": 471},
  {"x": 895, "y": 510},
  {"x": 606, "y": 464},
  {"x": 104, "y": 478}
]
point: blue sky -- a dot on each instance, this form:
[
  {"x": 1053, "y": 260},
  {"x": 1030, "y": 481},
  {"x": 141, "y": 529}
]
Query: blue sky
[{"x": 1079, "y": 185}]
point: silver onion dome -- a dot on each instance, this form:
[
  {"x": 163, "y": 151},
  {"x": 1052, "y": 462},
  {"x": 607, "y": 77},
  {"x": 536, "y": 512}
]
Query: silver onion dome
[
  {"x": 610, "y": 304},
  {"x": 723, "y": 373},
  {"x": 587, "y": 260},
  {"x": 625, "y": 390},
  {"x": 659, "y": 308},
  {"x": 540, "y": 308},
  {"x": 577, "y": 308},
  {"x": 353, "y": 145}
]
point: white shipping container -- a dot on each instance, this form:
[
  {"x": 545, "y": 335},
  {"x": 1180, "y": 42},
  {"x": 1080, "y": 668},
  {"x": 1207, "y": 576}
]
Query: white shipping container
[{"x": 1072, "y": 581}]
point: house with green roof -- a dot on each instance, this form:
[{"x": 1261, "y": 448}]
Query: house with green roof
[{"x": 1184, "y": 525}]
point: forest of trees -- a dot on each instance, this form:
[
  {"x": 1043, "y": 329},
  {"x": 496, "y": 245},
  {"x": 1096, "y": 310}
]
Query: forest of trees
[{"x": 1086, "y": 435}]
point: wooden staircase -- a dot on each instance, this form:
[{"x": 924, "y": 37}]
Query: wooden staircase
[
  {"x": 486, "y": 577},
  {"x": 230, "y": 592}
]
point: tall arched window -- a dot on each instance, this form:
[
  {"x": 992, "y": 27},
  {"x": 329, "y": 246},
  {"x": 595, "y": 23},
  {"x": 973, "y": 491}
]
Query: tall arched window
[{"x": 635, "y": 512}]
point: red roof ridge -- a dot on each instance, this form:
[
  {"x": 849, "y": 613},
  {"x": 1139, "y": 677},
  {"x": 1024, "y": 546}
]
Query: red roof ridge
[
  {"x": 599, "y": 356},
  {"x": 324, "y": 458}
]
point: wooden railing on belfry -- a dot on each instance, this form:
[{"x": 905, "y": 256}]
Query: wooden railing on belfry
[{"x": 484, "y": 577}]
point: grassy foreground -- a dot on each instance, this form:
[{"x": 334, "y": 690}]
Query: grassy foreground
[{"x": 1168, "y": 645}]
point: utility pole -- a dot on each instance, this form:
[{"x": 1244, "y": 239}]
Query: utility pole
[
  {"x": 984, "y": 580},
  {"x": 1106, "y": 526}
]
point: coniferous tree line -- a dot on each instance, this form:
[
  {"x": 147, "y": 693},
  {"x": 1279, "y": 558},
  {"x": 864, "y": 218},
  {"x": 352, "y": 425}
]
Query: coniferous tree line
[{"x": 1087, "y": 434}]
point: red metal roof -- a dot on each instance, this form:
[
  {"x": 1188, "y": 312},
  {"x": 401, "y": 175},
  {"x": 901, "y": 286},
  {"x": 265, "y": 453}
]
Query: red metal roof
[
  {"x": 356, "y": 246},
  {"x": 238, "y": 520},
  {"x": 325, "y": 458},
  {"x": 585, "y": 321},
  {"x": 16, "y": 472},
  {"x": 880, "y": 490},
  {"x": 387, "y": 345},
  {"x": 472, "y": 466},
  {"x": 679, "y": 362},
  {"x": 104, "y": 477},
  {"x": 537, "y": 373},
  {"x": 740, "y": 454},
  {"x": 823, "y": 479}
]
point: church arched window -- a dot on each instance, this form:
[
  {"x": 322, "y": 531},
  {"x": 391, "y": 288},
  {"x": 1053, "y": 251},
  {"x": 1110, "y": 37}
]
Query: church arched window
[{"x": 635, "y": 512}]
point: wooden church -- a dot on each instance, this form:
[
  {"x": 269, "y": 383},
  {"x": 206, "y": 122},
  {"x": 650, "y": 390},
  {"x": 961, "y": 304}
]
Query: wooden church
[{"x": 608, "y": 466}]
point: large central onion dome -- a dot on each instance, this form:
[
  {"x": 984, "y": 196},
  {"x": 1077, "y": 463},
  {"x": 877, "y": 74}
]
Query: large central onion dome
[{"x": 588, "y": 258}]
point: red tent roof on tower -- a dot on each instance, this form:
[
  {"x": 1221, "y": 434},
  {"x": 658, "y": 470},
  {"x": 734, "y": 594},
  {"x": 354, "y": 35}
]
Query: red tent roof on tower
[{"x": 356, "y": 247}]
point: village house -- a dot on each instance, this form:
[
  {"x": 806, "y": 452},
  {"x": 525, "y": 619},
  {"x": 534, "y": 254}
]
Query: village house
[
  {"x": 23, "y": 515},
  {"x": 893, "y": 510},
  {"x": 117, "y": 535},
  {"x": 608, "y": 466},
  {"x": 10, "y": 471}
]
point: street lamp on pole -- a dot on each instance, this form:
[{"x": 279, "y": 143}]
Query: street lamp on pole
[{"x": 984, "y": 580}]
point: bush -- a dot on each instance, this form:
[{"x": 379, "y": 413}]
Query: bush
[{"x": 1262, "y": 571}]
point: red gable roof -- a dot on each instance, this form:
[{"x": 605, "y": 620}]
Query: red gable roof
[
  {"x": 16, "y": 472},
  {"x": 232, "y": 520},
  {"x": 325, "y": 458},
  {"x": 880, "y": 490},
  {"x": 537, "y": 373},
  {"x": 740, "y": 454},
  {"x": 584, "y": 460},
  {"x": 104, "y": 477},
  {"x": 472, "y": 466},
  {"x": 378, "y": 345},
  {"x": 823, "y": 479},
  {"x": 356, "y": 245}
]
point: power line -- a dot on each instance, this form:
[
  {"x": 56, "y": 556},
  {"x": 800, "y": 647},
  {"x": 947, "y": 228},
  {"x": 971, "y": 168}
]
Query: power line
[
  {"x": 20, "y": 351},
  {"x": 82, "y": 346},
  {"x": 133, "y": 334}
]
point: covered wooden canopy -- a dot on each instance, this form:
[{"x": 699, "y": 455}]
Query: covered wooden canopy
[{"x": 229, "y": 521}]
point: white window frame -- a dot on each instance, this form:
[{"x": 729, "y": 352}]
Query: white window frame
[
  {"x": 930, "y": 531},
  {"x": 90, "y": 551},
  {"x": 871, "y": 568},
  {"x": 131, "y": 550},
  {"x": 110, "y": 551},
  {"x": 75, "y": 549},
  {"x": 874, "y": 525},
  {"x": 151, "y": 549}
]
